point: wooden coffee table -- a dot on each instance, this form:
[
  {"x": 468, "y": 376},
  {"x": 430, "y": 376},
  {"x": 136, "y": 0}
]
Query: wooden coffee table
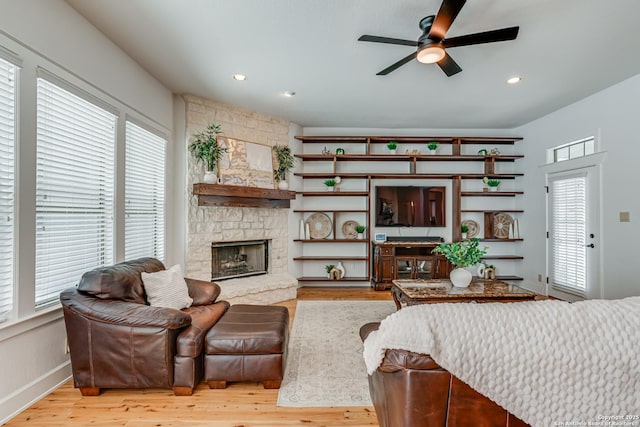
[{"x": 430, "y": 291}]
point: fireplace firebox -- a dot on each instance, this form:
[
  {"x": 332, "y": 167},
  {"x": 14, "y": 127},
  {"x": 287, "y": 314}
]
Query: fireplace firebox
[{"x": 239, "y": 259}]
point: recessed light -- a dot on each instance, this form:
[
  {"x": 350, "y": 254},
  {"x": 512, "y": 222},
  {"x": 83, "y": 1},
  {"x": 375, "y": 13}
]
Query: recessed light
[
  {"x": 239, "y": 77},
  {"x": 289, "y": 93},
  {"x": 514, "y": 80}
]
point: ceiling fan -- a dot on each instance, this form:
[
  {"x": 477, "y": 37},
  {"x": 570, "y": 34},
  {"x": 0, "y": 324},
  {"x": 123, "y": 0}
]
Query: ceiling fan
[{"x": 431, "y": 46}]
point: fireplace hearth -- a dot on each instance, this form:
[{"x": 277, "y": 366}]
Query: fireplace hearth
[{"x": 239, "y": 259}]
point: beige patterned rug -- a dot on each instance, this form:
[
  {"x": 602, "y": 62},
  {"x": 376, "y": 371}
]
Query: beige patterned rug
[{"x": 325, "y": 365}]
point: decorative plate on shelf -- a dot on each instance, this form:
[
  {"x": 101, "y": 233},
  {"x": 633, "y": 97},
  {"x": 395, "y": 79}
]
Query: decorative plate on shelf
[
  {"x": 501, "y": 224},
  {"x": 319, "y": 225},
  {"x": 349, "y": 229},
  {"x": 473, "y": 227}
]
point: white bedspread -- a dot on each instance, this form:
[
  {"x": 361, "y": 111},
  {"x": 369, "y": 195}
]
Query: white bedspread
[{"x": 546, "y": 362}]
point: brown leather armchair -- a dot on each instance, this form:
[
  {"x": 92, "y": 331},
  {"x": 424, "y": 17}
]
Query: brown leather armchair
[
  {"x": 116, "y": 340},
  {"x": 411, "y": 390}
]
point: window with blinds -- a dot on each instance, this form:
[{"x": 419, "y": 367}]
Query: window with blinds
[
  {"x": 144, "y": 193},
  {"x": 568, "y": 228},
  {"x": 8, "y": 73},
  {"x": 74, "y": 187}
]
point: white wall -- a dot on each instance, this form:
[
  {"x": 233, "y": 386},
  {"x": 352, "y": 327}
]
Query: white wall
[
  {"x": 612, "y": 116},
  {"x": 49, "y": 33}
]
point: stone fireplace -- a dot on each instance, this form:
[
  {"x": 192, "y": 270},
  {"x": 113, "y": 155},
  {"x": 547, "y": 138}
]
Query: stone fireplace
[
  {"x": 239, "y": 259},
  {"x": 225, "y": 224}
]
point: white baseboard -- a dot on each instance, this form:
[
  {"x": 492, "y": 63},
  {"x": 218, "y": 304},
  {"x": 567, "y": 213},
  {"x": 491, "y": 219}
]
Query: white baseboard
[{"x": 26, "y": 396}]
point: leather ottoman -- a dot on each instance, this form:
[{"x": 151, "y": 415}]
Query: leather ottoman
[{"x": 249, "y": 343}]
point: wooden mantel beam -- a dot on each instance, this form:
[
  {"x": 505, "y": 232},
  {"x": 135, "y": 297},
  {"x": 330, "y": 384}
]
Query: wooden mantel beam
[{"x": 239, "y": 196}]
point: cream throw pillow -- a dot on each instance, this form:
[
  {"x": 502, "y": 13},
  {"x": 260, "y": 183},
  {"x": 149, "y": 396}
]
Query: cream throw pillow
[{"x": 167, "y": 288}]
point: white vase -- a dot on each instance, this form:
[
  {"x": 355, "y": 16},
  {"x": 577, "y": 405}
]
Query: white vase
[
  {"x": 283, "y": 185},
  {"x": 433, "y": 151},
  {"x": 342, "y": 270},
  {"x": 392, "y": 151},
  {"x": 480, "y": 270},
  {"x": 460, "y": 277},
  {"x": 464, "y": 236},
  {"x": 493, "y": 189},
  {"x": 301, "y": 232},
  {"x": 360, "y": 236},
  {"x": 331, "y": 187},
  {"x": 210, "y": 177}
]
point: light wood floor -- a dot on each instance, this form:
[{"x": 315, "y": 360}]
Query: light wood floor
[{"x": 240, "y": 404}]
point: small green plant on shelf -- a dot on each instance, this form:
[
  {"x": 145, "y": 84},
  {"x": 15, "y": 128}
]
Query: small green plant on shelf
[
  {"x": 462, "y": 254},
  {"x": 330, "y": 183},
  {"x": 432, "y": 146},
  {"x": 392, "y": 145},
  {"x": 360, "y": 228},
  {"x": 491, "y": 183},
  {"x": 329, "y": 267},
  {"x": 464, "y": 229}
]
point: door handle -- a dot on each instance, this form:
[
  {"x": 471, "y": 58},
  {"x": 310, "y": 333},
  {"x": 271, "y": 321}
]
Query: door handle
[{"x": 590, "y": 246}]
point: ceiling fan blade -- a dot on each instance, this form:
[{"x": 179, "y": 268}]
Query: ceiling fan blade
[
  {"x": 388, "y": 40},
  {"x": 448, "y": 65},
  {"x": 503, "y": 34},
  {"x": 445, "y": 17},
  {"x": 397, "y": 64}
]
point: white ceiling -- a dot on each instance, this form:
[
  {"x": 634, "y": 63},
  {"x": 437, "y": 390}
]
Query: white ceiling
[{"x": 566, "y": 50}]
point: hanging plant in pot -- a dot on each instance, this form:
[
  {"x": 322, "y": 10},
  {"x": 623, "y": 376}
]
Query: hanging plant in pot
[
  {"x": 285, "y": 164},
  {"x": 205, "y": 148},
  {"x": 461, "y": 254}
]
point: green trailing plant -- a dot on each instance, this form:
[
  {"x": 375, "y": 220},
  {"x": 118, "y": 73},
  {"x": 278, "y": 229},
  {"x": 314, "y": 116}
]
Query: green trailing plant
[
  {"x": 285, "y": 162},
  {"x": 464, "y": 228},
  {"x": 491, "y": 182},
  {"x": 462, "y": 254},
  {"x": 360, "y": 228},
  {"x": 432, "y": 146},
  {"x": 205, "y": 146},
  {"x": 392, "y": 145},
  {"x": 330, "y": 182},
  {"x": 329, "y": 267}
]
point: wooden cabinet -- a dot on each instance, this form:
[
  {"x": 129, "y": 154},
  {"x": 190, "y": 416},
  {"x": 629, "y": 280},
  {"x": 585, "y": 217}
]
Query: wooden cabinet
[
  {"x": 364, "y": 161},
  {"x": 406, "y": 260}
]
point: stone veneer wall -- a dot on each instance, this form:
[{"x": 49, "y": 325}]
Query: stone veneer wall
[{"x": 209, "y": 224}]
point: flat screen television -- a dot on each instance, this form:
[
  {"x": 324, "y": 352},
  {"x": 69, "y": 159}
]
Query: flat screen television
[{"x": 410, "y": 206}]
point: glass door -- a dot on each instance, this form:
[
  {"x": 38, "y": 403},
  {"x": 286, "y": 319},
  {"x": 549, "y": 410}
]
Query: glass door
[{"x": 404, "y": 267}]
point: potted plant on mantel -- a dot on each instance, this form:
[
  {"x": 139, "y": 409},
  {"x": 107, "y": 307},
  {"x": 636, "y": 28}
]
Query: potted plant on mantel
[
  {"x": 462, "y": 254},
  {"x": 205, "y": 148},
  {"x": 285, "y": 164}
]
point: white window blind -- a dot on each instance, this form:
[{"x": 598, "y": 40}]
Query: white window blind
[
  {"x": 74, "y": 189},
  {"x": 144, "y": 193},
  {"x": 568, "y": 232},
  {"x": 8, "y": 74}
]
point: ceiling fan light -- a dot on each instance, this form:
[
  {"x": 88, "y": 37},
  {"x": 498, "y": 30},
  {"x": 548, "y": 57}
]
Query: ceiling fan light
[{"x": 430, "y": 54}]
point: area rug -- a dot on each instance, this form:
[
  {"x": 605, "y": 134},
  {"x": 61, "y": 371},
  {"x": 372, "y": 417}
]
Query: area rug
[{"x": 325, "y": 366}]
